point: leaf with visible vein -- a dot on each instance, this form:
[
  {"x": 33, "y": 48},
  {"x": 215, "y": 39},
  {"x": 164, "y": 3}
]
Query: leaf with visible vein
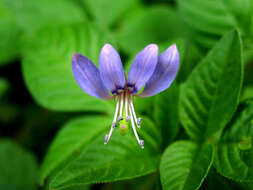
[
  {"x": 122, "y": 158},
  {"x": 210, "y": 96},
  {"x": 207, "y": 21},
  {"x": 68, "y": 143},
  {"x": 47, "y": 68},
  {"x": 234, "y": 152},
  {"x": 184, "y": 165}
]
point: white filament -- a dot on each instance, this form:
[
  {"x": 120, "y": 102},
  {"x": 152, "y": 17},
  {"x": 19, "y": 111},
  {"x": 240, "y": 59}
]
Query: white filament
[
  {"x": 107, "y": 137},
  {"x": 129, "y": 108},
  {"x": 132, "y": 108},
  {"x": 126, "y": 107},
  {"x": 121, "y": 106},
  {"x": 140, "y": 142},
  {"x": 117, "y": 110}
]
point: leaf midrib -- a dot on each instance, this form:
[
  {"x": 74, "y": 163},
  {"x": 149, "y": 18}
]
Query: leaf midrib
[
  {"x": 112, "y": 164},
  {"x": 216, "y": 89},
  {"x": 64, "y": 158}
]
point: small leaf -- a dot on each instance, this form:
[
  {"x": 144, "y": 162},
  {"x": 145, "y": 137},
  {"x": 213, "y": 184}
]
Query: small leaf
[
  {"x": 152, "y": 25},
  {"x": 47, "y": 66},
  {"x": 122, "y": 158},
  {"x": 210, "y": 96},
  {"x": 18, "y": 168},
  {"x": 234, "y": 153},
  {"x": 184, "y": 165}
]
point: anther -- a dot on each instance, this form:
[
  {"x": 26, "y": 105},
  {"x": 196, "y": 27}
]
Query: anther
[
  {"x": 127, "y": 118},
  {"x": 114, "y": 124},
  {"x": 106, "y": 139},
  {"x": 141, "y": 143},
  {"x": 120, "y": 118},
  {"x": 139, "y": 120}
]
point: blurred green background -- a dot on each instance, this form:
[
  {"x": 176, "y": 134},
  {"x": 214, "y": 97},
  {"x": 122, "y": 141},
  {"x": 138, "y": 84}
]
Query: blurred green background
[{"x": 38, "y": 94}]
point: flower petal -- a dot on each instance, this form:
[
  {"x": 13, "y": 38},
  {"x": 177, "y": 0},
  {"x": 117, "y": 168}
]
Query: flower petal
[
  {"x": 142, "y": 68},
  {"x": 111, "y": 69},
  {"x": 164, "y": 74},
  {"x": 88, "y": 78}
]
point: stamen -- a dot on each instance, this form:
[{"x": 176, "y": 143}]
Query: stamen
[
  {"x": 121, "y": 106},
  {"x": 141, "y": 142},
  {"x": 138, "y": 122},
  {"x": 114, "y": 123},
  {"x": 126, "y": 107}
]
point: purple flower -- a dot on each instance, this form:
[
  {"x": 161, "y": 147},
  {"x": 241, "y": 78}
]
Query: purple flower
[{"x": 148, "y": 68}]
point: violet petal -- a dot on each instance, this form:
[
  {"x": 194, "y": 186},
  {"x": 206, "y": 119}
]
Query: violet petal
[
  {"x": 142, "y": 68},
  {"x": 164, "y": 74},
  {"x": 87, "y": 76},
  {"x": 111, "y": 69}
]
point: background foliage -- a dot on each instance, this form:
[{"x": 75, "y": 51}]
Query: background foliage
[{"x": 198, "y": 134}]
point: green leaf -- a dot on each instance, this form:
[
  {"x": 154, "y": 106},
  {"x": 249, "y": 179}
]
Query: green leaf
[
  {"x": 9, "y": 33},
  {"x": 207, "y": 21},
  {"x": 113, "y": 9},
  {"x": 247, "y": 93},
  {"x": 67, "y": 145},
  {"x": 150, "y": 25},
  {"x": 191, "y": 56},
  {"x": 184, "y": 165},
  {"x": 215, "y": 181},
  {"x": 18, "y": 168},
  {"x": 248, "y": 49},
  {"x": 31, "y": 15},
  {"x": 210, "y": 96},
  {"x": 47, "y": 66},
  {"x": 111, "y": 162},
  {"x": 84, "y": 187},
  {"x": 166, "y": 113},
  {"x": 241, "y": 11},
  {"x": 144, "y": 106},
  {"x": 234, "y": 153},
  {"x": 4, "y": 85},
  {"x": 147, "y": 182}
]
